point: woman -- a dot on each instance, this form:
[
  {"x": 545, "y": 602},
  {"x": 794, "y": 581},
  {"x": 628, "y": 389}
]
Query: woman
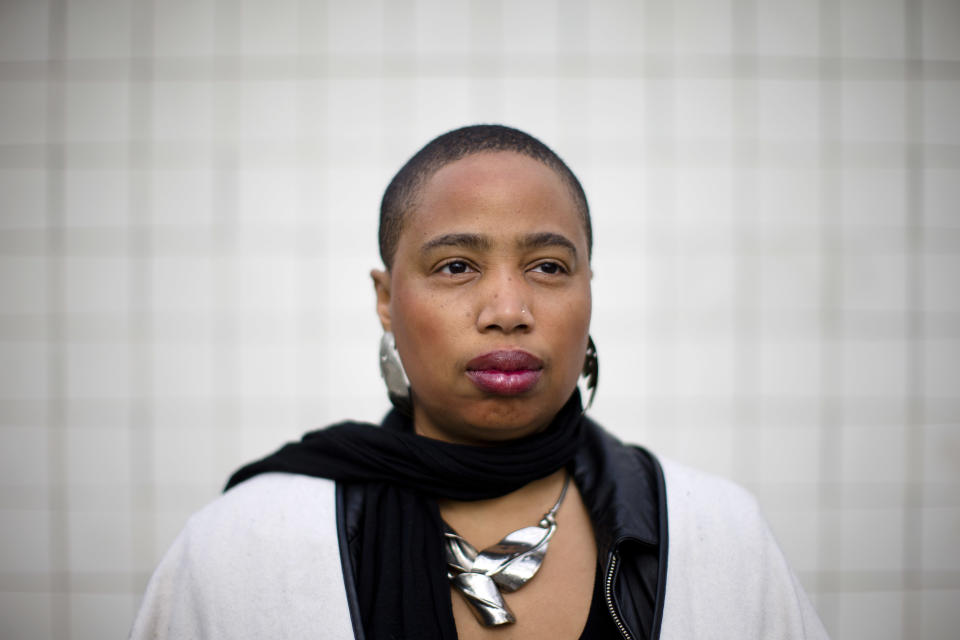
[{"x": 487, "y": 505}]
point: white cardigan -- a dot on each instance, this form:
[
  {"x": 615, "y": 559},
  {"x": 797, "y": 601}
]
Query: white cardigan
[{"x": 263, "y": 561}]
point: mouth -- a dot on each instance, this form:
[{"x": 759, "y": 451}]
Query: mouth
[{"x": 507, "y": 372}]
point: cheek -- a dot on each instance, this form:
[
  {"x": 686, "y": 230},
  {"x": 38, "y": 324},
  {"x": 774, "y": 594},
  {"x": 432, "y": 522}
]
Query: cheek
[
  {"x": 575, "y": 309},
  {"x": 419, "y": 324},
  {"x": 574, "y": 330}
]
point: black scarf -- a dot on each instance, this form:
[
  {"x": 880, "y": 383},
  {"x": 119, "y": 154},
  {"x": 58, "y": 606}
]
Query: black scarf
[{"x": 401, "y": 574}]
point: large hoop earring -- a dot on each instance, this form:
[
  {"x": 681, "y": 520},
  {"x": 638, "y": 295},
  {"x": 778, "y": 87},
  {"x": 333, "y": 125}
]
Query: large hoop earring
[
  {"x": 391, "y": 369},
  {"x": 591, "y": 371}
]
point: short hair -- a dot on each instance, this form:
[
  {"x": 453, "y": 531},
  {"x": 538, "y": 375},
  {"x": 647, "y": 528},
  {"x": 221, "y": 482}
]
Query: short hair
[{"x": 401, "y": 195}]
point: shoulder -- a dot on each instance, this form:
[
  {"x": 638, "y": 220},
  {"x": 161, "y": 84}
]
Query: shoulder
[
  {"x": 707, "y": 498},
  {"x": 269, "y": 505},
  {"x": 713, "y": 523},
  {"x": 262, "y": 560},
  {"x": 266, "y": 521},
  {"x": 726, "y": 575}
]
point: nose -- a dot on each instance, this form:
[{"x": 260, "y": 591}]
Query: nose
[{"x": 505, "y": 306}]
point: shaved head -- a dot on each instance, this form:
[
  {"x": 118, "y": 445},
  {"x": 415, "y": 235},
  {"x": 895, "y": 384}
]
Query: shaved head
[{"x": 401, "y": 196}]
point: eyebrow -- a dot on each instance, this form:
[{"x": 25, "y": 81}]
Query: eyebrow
[
  {"x": 547, "y": 239},
  {"x": 473, "y": 241},
  {"x": 478, "y": 242}
]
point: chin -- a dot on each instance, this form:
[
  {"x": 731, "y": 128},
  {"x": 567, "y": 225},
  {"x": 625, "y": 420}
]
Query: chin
[
  {"x": 501, "y": 419},
  {"x": 488, "y": 420}
]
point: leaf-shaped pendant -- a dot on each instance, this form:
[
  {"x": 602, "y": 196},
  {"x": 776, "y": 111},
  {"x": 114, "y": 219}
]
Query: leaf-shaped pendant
[
  {"x": 516, "y": 558},
  {"x": 484, "y": 599},
  {"x": 510, "y": 563},
  {"x": 460, "y": 554}
]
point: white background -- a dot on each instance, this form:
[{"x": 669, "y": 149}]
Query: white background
[{"x": 188, "y": 204}]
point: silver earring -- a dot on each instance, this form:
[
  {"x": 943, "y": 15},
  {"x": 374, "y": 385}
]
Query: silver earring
[
  {"x": 391, "y": 369},
  {"x": 591, "y": 371}
]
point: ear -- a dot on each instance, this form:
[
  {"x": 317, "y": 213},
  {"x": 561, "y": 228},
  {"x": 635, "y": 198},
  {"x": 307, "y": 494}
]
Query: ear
[{"x": 381, "y": 285}]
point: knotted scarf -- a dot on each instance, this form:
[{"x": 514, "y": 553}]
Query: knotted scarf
[{"x": 401, "y": 575}]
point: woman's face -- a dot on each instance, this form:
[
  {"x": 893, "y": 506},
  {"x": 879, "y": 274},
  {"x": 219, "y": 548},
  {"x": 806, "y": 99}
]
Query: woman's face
[{"x": 489, "y": 298}]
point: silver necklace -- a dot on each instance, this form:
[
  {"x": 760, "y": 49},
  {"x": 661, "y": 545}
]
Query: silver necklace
[{"x": 507, "y": 565}]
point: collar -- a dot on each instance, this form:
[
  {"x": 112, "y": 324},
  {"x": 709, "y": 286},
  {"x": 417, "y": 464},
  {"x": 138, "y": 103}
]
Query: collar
[{"x": 620, "y": 486}]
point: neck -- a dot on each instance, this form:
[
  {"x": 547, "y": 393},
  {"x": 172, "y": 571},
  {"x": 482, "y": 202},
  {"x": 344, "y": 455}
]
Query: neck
[{"x": 485, "y": 522}]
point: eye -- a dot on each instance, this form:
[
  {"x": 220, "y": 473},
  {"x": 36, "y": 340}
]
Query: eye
[
  {"x": 550, "y": 268},
  {"x": 456, "y": 267}
]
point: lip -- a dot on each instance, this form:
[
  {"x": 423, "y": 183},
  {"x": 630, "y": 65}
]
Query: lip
[{"x": 506, "y": 372}]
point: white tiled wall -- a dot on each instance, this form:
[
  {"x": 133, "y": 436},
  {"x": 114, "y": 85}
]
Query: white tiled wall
[{"x": 188, "y": 202}]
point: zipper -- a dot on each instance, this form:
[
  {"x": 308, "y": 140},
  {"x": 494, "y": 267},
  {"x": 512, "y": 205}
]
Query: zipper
[{"x": 608, "y": 592}]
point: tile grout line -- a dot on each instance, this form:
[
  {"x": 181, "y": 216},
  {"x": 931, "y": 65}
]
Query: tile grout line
[
  {"x": 140, "y": 253},
  {"x": 831, "y": 338},
  {"x": 916, "y": 419},
  {"x": 55, "y": 125}
]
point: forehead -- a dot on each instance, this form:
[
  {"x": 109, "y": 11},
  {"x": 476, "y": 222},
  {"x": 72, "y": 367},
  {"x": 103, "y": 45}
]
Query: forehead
[{"x": 484, "y": 188}]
